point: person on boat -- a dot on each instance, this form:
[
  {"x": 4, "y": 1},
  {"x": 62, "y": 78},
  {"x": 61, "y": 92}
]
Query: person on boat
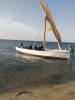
[
  {"x": 71, "y": 49},
  {"x": 35, "y": 47},
  {"x": 42, "y": 47},
  {"x": 22, "y": 44},
  {"x": 29, "y": 46},
  {"x": 25, "y": 46},
  {"x": 38, "y": 47}
]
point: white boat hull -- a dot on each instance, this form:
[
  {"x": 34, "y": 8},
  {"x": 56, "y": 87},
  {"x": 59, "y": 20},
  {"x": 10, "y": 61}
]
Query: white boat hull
[{"x": 48, "y": 54}]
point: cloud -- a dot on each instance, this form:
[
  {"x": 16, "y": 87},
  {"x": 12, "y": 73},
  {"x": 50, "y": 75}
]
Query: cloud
[{"x": 10, "y": 29}]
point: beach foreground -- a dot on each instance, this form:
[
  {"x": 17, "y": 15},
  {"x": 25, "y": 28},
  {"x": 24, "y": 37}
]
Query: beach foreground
[{"x": 65, "y": 91}]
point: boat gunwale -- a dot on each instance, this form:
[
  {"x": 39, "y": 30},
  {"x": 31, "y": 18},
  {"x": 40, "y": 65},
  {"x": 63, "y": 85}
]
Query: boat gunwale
[{"x": 42, "y": 56}]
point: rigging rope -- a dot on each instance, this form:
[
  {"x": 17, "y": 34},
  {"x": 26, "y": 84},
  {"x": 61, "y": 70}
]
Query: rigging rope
[{"x": 38, "y": 33}]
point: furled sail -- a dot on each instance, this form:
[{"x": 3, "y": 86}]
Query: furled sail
[{"x": 51, "y": 21}]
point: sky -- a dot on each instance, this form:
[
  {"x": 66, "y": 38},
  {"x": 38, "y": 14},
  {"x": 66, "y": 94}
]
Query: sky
[{"x": 22, "y": 19}]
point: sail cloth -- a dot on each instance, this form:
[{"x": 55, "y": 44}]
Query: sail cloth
[
  {"x": 49, "y": 27},
  {"x": 51, "y": 21}
]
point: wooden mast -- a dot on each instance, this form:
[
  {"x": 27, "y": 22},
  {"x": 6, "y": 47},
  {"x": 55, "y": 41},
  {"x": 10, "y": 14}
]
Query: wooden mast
[{"x": 44, "y": 38}]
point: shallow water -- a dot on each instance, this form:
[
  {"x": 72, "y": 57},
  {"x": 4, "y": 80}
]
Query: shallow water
[{"x": 18, "y": 71}]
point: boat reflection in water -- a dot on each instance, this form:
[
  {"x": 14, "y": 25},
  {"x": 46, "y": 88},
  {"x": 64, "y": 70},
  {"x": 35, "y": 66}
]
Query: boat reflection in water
[
  {"x": 29, "y": 71},
  {"x": 44, "y": 70}
]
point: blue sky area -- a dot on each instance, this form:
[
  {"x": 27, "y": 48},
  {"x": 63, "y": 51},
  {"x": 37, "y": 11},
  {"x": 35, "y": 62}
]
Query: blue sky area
[{"x": 22, "y": 19}]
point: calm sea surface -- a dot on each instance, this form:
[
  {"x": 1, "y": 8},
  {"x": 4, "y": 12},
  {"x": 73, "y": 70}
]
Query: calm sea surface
[{"x": 18, "y": 71}]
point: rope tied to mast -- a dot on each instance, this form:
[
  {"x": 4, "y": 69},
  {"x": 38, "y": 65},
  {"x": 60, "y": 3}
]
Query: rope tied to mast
[{"x": 38, "y": 33}]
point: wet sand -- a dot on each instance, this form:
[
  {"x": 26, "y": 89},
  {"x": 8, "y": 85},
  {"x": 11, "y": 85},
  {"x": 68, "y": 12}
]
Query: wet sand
[{"x": 64, "y": 91}]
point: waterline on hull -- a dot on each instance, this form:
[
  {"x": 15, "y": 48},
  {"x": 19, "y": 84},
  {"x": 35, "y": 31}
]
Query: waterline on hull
[{"x": 48, "y": 54}]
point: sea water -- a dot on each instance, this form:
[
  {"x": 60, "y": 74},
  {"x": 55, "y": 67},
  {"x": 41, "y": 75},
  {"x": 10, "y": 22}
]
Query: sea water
[{"x": 19, "y": 71}]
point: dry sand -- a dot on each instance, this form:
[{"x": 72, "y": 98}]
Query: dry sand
[{"x": 65, "y": 91}]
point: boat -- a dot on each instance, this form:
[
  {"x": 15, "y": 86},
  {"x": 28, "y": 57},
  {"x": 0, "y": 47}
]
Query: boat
[{"x": 46, "y": 52}]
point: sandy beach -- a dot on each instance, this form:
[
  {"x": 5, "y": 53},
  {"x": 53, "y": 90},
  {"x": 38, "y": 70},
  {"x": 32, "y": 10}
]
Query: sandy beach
[{"x": 65, "y": 91}]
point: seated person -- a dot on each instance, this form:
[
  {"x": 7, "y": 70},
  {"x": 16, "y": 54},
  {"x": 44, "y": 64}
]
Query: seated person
[
  {"x": 38, "y": 47},
  {"x": 35, "y": 47},
  {"x": 71, "y": 49},
  {"x": 41, "y": 47},
  {"x": 26, "y": 46},
  {"x": 21, "y": 44},
  {"x": 29, "y": 46}
]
